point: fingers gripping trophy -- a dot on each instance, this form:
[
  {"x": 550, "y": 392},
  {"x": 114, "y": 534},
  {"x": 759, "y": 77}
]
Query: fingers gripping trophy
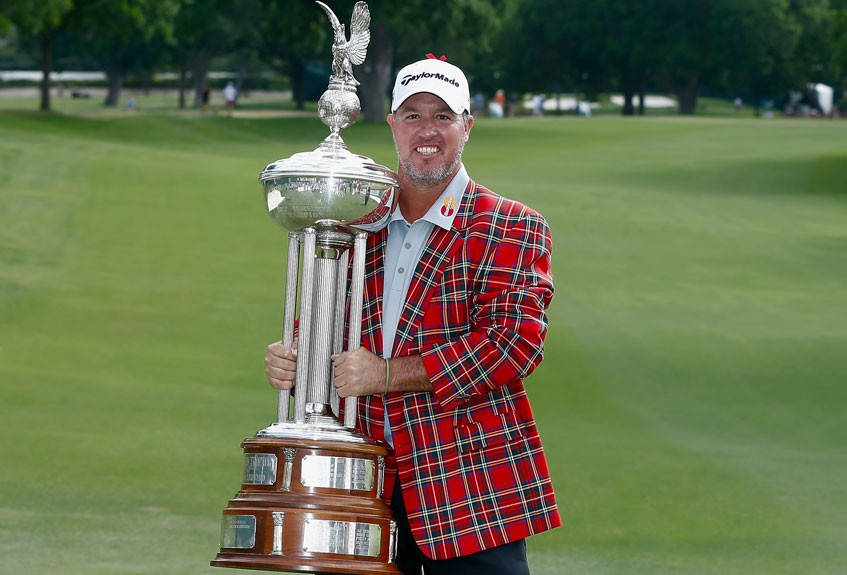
[{"x": 310, "y": 495}]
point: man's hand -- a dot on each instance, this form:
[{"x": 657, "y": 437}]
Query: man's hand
[
  {"x": 358, "y": 372},
  {"x": 281, "y": 365}
]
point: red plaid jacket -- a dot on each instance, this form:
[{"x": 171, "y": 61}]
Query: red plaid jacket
[{"x": 468, "y": 455}]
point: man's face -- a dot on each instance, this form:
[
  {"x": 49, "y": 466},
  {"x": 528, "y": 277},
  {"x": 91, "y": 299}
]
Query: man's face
[{"x": 429, "y": 138}]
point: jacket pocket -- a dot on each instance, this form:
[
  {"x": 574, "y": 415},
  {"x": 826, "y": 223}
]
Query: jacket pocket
[{"x": 486, "y": 429}]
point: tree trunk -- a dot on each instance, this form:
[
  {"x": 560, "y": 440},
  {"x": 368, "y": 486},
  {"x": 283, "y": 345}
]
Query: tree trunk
[
  {"x": 627, "y": 89},
  {"x": 628, "y": 108},
  {"x": 642, "y": 96},
  {"x": 45, "y": 42},
  {"x": 687, "y": 95},
  {"x": 297, "y": 74},
  {"x": 183, "y": 76},
  {"x": 147, "y": 81},
  {"x": 375, "y": 76},
  {"x": 116, "y": 81},
  {"x": 242, "y": 70},
  {"x": 199, "y": 71}
]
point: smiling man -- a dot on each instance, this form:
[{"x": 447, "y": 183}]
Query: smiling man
[{"x": 456, "y": 289}]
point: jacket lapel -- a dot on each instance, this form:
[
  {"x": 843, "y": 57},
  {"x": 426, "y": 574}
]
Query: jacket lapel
[
  {"x": 372, "y": 300},
  {"x": 439, "y": 252}
]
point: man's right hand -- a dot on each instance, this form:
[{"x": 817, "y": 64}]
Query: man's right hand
[{"x": 281, "y": 365}]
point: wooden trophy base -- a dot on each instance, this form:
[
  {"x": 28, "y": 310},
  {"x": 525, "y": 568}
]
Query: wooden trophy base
[{"x": 310, "y": 505}]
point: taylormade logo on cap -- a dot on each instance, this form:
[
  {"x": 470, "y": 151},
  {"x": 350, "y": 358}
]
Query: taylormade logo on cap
[
  {"x": 409, "y": 78},
  {"x": 434, "y": 76}
]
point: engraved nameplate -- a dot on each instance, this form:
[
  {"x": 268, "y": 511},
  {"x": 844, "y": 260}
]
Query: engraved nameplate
[
  {"x": 337, "y": 472},
  {"x": 342, "y": 537},
  {"x": 259, "y": 469},
  {"x": 238, "y": 531}
]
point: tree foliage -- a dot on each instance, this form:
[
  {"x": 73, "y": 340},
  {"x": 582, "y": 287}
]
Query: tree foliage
[
  {"x": 135, "y": 27},
  {"x": 755, "y": 48},
  {"x": 202, "y": 30},
  {"x": 838, "y": 40},
  {"x": 289, "y": 35},
  {"x": 43, "y": 20}
]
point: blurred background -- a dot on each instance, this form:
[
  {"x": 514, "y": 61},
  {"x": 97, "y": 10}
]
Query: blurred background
[
  {"x": 784, "y": 55},
  {"x": 689, "y": 157}
]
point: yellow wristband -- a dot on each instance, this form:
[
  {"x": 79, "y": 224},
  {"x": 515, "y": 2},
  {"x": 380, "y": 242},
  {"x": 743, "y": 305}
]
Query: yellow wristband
[{"x": 387, "y": 376}]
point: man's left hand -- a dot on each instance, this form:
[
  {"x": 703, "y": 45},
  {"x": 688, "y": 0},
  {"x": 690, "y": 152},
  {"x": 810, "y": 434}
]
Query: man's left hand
[{"x": 359, "y": 372}]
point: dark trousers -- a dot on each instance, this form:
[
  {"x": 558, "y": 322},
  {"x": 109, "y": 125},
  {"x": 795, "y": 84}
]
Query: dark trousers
[{"x": 509, "y": 559}]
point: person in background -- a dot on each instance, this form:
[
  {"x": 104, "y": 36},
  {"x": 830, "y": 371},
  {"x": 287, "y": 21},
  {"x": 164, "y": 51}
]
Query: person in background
[
  {"x": 204, "y": 102},
  {"x": 230, "y": 95}
]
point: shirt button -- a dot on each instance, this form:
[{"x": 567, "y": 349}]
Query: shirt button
[
  {"x": 407, "y": 245},
  {"x": 400, "y": 270}
]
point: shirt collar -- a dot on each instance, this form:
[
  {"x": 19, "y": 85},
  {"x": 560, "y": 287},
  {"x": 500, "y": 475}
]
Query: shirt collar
[{"x": 443, "y": 211}]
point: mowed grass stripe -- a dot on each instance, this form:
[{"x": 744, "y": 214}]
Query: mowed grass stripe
[{"x": 691, "y": 399}]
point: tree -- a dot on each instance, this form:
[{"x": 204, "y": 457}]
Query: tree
[
  {"x": 133, "y": 27},
  {"x": 752, "y": 46},
  {"x": 811, "y": 54},
  {"x": 43, "y": 20},
  {"x": 202, "y": 30},
  {"x": 589, "y": 45},
  {"x": 553, "y": 59},
  {"x": 718, "y": 42},
  {"x": 629, "y": 43},
  {"x": 292, "y": 33},
  {"x": 838, "y": 38}
]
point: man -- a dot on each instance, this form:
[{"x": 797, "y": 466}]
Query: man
[
  {"x": 230, "y": 95},
  {"x": 455, "y": 291}
]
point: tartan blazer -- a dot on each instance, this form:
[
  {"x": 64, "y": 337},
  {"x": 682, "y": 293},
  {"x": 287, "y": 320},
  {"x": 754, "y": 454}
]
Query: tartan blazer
[{"x": 468, "y": 454}]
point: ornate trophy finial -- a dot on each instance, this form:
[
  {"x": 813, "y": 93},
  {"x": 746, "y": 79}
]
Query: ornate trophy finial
[
  {"x": 339, "y": 106},
  {"x": 349, "y": 53}
]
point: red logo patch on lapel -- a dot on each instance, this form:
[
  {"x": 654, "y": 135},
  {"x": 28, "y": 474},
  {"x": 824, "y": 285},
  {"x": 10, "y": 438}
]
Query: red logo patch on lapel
[{"x": 449, "y": 206}]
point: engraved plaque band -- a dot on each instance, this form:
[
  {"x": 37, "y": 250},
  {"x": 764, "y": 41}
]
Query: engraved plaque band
[
  {"x": 337, "y": 472},
  {"x": 342, "y": 537}
]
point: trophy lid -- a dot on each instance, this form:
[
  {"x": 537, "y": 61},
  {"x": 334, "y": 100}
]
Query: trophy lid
[{"x": 331, "y": 159}]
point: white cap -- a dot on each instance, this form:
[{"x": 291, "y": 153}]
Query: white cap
[{"x": 436, "y": 77}]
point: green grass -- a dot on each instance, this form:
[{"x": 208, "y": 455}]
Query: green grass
[{"x": 692, "y": 400}]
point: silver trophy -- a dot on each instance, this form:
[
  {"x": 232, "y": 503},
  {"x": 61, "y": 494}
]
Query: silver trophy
[
  {"x": 323, "y": 197},
  {"x": 310, "y": 499}
]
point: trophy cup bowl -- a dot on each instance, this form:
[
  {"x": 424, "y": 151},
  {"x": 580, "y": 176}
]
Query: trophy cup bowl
[
  {"x": 327, "y": 185},
  {"x": 311, "y": 493}
]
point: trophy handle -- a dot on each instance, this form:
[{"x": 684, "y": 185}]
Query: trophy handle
[{"x": 354, "y": 336}]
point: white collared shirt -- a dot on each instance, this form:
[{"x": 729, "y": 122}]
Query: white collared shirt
[{"x": 403, "y": 250}]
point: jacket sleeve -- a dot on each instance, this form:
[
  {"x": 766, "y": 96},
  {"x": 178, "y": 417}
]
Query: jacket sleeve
[{"x": 512, "y": 286}]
